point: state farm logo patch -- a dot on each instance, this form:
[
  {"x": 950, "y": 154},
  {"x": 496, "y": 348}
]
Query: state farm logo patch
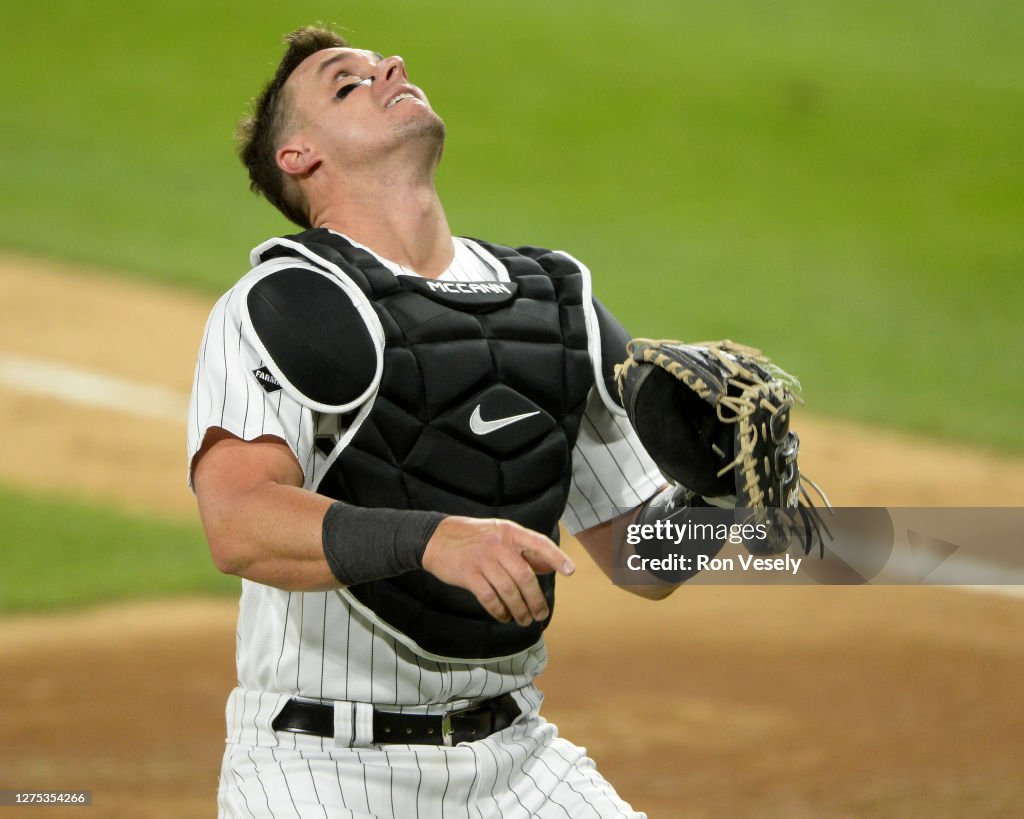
[{"x": 266, "y": 379}]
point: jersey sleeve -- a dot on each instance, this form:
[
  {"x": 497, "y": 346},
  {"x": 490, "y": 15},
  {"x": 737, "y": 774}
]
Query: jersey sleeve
[
  {"x": 233, "y": 389},
  {"x": 611, "y": 470}
]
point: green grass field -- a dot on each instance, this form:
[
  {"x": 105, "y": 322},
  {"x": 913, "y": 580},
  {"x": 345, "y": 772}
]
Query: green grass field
[
  {"x": 61, "y": 553},
  {"x": 840, "y": 183}
]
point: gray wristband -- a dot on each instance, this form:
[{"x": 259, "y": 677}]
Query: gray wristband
[{"x": 372, "y": 544}]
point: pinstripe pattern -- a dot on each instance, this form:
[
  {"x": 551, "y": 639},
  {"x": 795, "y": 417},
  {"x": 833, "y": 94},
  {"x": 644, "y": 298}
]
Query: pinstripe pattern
[
  {"x": 315, "y": 645},
  {"x": 526, "y": 770}
]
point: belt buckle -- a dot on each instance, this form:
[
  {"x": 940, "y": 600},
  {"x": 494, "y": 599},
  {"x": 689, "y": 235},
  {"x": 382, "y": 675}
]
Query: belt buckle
[{"x": 447, "y": 731}]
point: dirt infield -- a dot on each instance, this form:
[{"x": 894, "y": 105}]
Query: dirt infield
[{"x": 759, "y": 702}]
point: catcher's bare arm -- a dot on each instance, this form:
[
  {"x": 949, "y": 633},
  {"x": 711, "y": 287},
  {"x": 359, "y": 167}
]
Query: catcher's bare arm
[{"x": 262, "y": 525}]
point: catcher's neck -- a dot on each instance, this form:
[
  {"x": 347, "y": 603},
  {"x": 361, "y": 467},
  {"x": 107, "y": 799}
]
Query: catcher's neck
[{"x": 398, "y": 214}]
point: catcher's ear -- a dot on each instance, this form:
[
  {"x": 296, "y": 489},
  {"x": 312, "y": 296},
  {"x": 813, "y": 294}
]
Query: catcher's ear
[
  {"x": 681, "y": 432},
  {"x": 297, "y": 157}
]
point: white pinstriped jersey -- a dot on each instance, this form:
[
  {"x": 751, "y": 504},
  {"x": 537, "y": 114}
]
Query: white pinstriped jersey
[{"x": 316, "y": 645}]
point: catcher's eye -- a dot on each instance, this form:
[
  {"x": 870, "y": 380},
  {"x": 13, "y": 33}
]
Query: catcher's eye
[{"x": 345, "y": 90}]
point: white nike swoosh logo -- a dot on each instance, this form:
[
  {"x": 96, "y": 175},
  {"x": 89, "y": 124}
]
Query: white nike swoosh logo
[{"x": 482, "y": 427}]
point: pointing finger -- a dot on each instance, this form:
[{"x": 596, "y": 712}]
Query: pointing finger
[{"x": 548, "y": 558}]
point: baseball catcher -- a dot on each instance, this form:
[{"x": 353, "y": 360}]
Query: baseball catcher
[{"x": 715, "y": 417}]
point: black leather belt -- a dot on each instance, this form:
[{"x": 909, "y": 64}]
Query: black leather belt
[{"x": 392, "y": 728}]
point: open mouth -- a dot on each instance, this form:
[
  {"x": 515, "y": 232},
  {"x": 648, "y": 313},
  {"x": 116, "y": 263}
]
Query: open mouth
[{"x": 399, "y": 98}]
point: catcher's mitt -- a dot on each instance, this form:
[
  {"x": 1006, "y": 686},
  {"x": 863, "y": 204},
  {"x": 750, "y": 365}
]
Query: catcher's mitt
[{"x": 714, "y": 416}]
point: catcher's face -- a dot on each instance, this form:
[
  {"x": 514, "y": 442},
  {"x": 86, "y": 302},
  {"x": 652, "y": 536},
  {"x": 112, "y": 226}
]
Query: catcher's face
[{"x": 349, "y": 106}]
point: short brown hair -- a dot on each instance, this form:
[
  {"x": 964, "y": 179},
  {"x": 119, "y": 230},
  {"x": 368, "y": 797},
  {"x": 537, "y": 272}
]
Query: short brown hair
[{"x": 259, "y": 132}]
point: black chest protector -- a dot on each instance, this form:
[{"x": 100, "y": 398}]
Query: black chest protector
[{"x": 477, "y": 410}]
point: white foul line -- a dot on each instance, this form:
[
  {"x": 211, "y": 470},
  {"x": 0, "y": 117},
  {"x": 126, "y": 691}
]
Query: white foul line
[{"x": 52, "y": 379}]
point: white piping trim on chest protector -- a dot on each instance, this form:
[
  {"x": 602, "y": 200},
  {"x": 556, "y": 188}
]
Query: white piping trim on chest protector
[
  {"x": 415, "y": 647},
  {"x": 338, "y": 277},
  {"x": 594, "y": 337}
]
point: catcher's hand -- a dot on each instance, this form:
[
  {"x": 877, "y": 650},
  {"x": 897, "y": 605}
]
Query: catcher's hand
[{"x": 715, "y": 416}]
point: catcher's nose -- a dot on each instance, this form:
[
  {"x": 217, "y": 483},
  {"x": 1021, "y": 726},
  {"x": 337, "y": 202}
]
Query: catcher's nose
[{"x": 392, "y": 68}]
